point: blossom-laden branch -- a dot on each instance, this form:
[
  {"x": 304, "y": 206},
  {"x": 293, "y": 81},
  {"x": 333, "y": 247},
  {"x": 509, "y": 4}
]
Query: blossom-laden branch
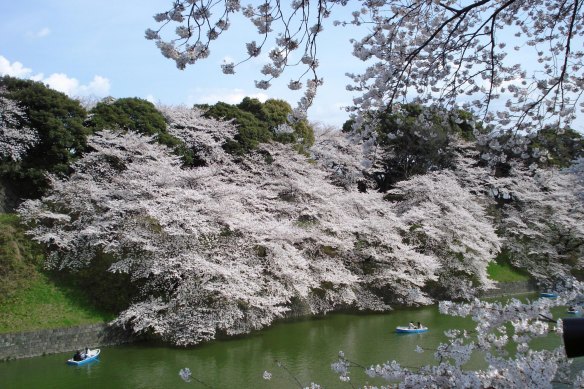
[
  {"x": 15, "y": 136},
  {"x": 450, "y": 52},
  {"x": 459, "y": 53},
  {"x": 201, "y": 22}
]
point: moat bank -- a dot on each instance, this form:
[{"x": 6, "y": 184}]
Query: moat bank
[
  {"x": 305, "y": 347},
  {"x": 52, "y": 341},
  {"x": 58, "y": 340}
]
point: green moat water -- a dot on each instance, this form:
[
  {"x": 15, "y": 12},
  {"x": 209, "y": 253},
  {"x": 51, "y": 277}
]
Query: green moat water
[{"x": 306, "y": 348}]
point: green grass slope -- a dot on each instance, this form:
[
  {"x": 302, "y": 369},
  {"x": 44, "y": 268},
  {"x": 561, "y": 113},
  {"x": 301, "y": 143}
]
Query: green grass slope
[
  {"x": 504, "y": 272},
  {"x": 30, "y": 298}
]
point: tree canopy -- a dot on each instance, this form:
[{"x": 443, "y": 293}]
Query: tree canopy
[
  {"x": 130, "y": 114},
  {"x": 259, "y": 122},
  {"x": 411, "y": 141}
]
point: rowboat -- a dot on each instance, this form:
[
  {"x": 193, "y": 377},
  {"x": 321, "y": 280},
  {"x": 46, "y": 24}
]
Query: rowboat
[
  {"x": 548, "y": 295},
  {"x": 91, "y": 356},
  {"x": 573, "y": 311},
  {"x": 408, "y": 330}
]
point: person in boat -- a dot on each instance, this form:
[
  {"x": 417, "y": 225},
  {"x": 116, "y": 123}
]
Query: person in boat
[
  {"x": 419, "y": 325},
  {"x": 411, "y": 325},
  {"x": 572, "y": 309},
  {"x": 78, "y": 357}
]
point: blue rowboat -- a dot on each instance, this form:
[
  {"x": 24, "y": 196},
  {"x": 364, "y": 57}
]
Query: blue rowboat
[
  {"x": 548, "y": 295},
  {"x": 92, "y": 356},
  {"x": 408, "y": 330}
]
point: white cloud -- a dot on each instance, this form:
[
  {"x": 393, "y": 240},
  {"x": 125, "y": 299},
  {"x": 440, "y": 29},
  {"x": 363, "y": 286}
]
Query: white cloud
[
  {"x": 43, "y": 32},
  {"x": 329, "y": 113},
  {"x": 98, "y": 86},
  {"x": 150, "y": 97},
  {"x": 229, "y": 96},
  {"x": 15, "y": 69},
  {"x": 62, "y": 83}
]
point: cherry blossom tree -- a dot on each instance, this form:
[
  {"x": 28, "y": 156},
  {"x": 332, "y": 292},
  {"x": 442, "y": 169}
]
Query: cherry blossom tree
[
  {"x": 226, "y": 247},
  {"x": 535, "y": 211},
  {"x": 338, "y": 154},
  {"x": 446, "y": 221},
  {"x": 236, "y": 242},
  {"x": 541, "y": 222},
  {"x": 15, "y": 136},
  {"x": 449, "y": 52},
  {"x": 577, "y": 169}
]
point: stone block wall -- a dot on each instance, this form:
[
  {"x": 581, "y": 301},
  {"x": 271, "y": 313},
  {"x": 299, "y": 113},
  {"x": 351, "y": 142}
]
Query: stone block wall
[
  {"x": 37, "y": 343},
  {"x": 510, "y": 288}
]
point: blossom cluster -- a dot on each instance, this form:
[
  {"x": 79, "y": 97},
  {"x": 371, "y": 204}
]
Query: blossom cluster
[{"x": 15, "y": 136}]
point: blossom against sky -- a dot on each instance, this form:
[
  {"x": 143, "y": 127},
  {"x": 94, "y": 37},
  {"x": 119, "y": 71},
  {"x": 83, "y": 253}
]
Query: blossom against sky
[{"x": 97, "y": 48}]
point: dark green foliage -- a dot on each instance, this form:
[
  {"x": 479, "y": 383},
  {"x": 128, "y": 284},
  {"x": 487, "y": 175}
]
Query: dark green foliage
[
  {"x": 563, "y": 147},
  {"x": 304, "y": 132},
  {"x": 59, "y": 123},
  {"x": 348, "y": 126},
  {"x": 131, "y": 114},
  {"x": 416, "y": 140},
  {"x": 394, "y": 197},
  {"x": 329, "y": 250},
  {"x": 253, "y": 106},
  {"x": 548, "y": 147},
  {"x": 252, "y": 130},
  {"x": 257, "y": 123},
  {"x": 138, "y": 115},
  {"x": 275, "y": 112}
]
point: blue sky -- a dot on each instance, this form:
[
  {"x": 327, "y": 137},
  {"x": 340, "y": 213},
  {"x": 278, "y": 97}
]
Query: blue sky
[{"x": 84, "y": 47}]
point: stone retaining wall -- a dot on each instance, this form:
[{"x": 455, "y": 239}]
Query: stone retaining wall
[
  {"x": 510, "y": 288},
  {"x": 36, "y": 343}
]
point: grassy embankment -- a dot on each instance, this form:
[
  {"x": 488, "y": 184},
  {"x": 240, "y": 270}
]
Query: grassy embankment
[
  {"x": 504, "y": 272},
  {"x": 30, "y": 298}
]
